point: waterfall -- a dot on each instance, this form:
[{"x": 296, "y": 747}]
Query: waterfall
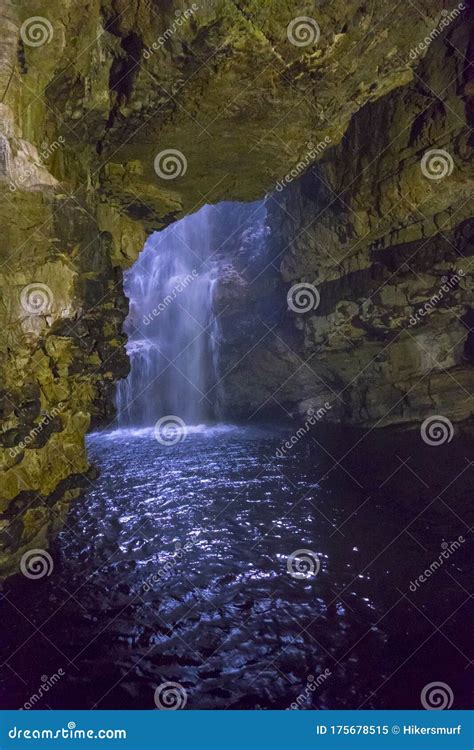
[
  {"x": 170, "y": 327},
  {"x": 5, "y": 157}
]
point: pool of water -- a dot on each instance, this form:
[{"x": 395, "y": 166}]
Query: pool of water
[{"x": 178, "y": 566}]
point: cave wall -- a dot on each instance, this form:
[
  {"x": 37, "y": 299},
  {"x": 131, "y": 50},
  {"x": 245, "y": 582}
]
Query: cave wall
[
  {"x": 91, "y": 98},
  {"x": 388, "y": 247}
]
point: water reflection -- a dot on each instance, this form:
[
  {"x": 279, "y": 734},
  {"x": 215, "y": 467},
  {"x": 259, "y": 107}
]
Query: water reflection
[{"x": 174, "y": 568}]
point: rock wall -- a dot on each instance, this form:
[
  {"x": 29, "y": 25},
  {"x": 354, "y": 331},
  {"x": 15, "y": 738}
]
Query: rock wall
[
  {"x": 381, "y": 235},
  {"x": 94, "y": 95}
]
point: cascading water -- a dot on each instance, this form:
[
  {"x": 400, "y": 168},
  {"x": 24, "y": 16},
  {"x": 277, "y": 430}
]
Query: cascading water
[
  {"x": 5, "y": 157},
  {"x": 171, "y": 330}
]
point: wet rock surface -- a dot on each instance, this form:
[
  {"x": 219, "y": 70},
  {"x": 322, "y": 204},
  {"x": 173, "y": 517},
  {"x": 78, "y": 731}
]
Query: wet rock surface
[
  {"x": 384, "y": 247},
  {"x": 85, "y": 113}
]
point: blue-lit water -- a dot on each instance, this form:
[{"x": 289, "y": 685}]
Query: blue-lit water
[
  {"x": 177, "y": 565},
  {"x": 173, "y": 567}
]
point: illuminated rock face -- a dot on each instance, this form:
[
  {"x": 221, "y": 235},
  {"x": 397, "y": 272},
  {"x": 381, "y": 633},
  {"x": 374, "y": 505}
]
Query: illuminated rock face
[
  {"x": 382, "y": 228},
  {"x": 118, "y": 121}
]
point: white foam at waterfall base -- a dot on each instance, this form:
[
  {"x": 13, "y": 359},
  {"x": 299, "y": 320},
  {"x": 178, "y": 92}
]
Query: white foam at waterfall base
[{"x": 148, "y": 433}]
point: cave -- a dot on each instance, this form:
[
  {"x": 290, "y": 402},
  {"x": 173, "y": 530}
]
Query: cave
[{"x": 237, "y": 356}]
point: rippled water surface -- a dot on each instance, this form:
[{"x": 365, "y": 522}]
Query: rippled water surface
[{"x": 173, "y": 567}]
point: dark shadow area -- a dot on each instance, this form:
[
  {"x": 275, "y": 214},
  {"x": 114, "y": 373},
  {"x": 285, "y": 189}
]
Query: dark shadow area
[{"x": 174, "y": 567}]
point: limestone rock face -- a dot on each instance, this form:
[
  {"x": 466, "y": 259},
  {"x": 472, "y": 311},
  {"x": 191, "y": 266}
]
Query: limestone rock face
[{"x": 119, "y": 117}]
